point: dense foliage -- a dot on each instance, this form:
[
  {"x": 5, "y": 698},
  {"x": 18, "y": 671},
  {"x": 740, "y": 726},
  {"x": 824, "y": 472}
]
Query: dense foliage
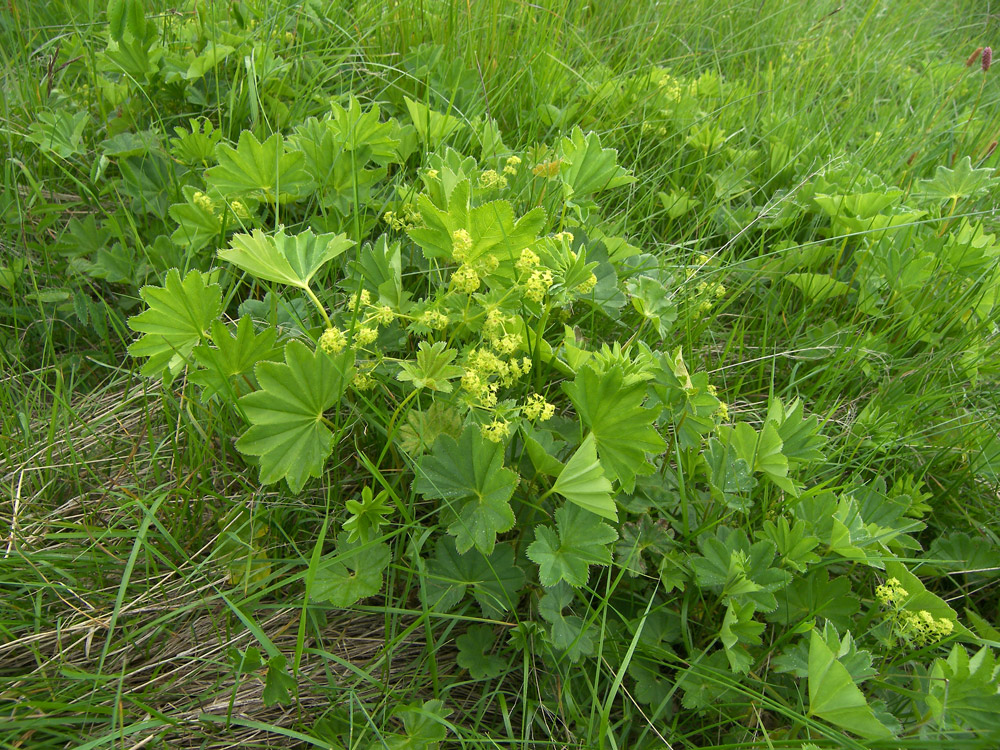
[{"x": 660, "y": 400}]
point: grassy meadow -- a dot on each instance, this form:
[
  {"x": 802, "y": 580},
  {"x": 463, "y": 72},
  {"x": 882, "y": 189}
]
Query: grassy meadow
[{"x": 485, "y": 374}]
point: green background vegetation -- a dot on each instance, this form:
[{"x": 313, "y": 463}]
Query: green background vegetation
[{"x": 797, "y": 274}]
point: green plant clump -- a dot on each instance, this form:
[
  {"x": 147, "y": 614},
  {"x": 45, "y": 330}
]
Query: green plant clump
[{"x": 401, "y": 376}]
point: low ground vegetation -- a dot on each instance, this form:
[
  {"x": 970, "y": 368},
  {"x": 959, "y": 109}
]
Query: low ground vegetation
[{"x": 483, "y": 374}]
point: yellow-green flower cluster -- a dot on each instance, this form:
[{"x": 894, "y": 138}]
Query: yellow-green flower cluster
[
  {"x": 539, "y": 280},
  {"x": 365, "y": 336},
  {"x": 537, "y": 408},
  {"x": 587, "y": 286},
  {"x": 670, "y": 87},
  {"x": 506, "y": 344},
  {"x": 479, "y": 389},
  {"x": 528, "y": 261},
  {"x": 332, "y": 341},
  {"x": 496, "y": 432},
  {"x": 407, "y": 218},
  {"x": 362, "y": 380},
  {"x": 461, "y": 244},
  {"x": 495, "y": 331},
  {"x": 922, "y": 627},
  {"x": 465, "y": 279},
  {"x": 240, "y": 210},
  {"x": 493, "y": 328},
  {"x": 891, "y": 593},
  {"x": 433, "y": 319},
  {"x": 491, "y": 179},
  {"x": 202, "y": 201},
  {"x": 709, "y": 292},
  {"x": 384, "y": 315},
  {"x": 538, "y": 284},
  {"x": 511, "y": 166},
  {"x": 485, "y": 372},
  {"x": 547, "y": 169}
]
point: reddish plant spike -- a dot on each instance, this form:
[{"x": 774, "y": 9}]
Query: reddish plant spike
[{"x": 987, "y": 58}]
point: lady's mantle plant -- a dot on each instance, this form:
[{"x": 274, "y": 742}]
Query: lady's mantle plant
[{"x": 447, "y": 353}]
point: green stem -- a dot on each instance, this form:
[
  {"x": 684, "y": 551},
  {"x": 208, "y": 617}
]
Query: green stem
[
  {"x": 536, "y": 354},
  {"x": 319, "y": 306}
]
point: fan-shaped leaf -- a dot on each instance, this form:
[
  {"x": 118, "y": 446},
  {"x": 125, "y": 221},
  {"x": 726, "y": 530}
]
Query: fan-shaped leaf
[{"x": 287, "y": 428}]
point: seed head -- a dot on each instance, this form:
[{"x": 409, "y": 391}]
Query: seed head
[
  {"x": 987, "y": 58},
  {"x": 973, "y": 57}
]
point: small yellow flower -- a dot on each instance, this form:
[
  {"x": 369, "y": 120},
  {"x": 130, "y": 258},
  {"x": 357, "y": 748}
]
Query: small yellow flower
[
  {"x": 548, "y": 169},
  {"x": 461, "y": 244},
  {"x": 527, "y": 262},
  {"x": 384, "y": 315},
  {"x": 434, "y": 319},
  {"x": 507, "y": 344},
  {"x": 493, "y": 327},
  {"x": 201, "y": 200},
  {"x": 240, "y": 211},
  {"x": 891, "y": 593},
  {"x": 489, "y": 263},
  {"x": 495, "y": 432},
  {"x": 332, "y": 341},
  {"x": 362, "y": 381},
  {"x": 491, "y": 179},
  {"x": 537, "y": 408},
  {"x": 539, "y": 283},
  {"x": 365, "y": 336},
  {"x": 587, "y": 286},
  {"x": 465, "y": 279},
  {"x": 394, "y": 222}
]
